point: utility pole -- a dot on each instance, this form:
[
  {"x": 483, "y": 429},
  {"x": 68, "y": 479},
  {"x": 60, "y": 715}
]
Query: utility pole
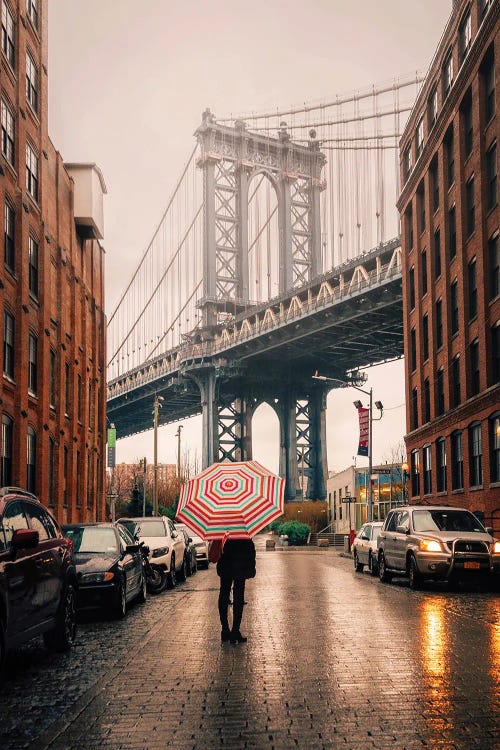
[
  {"x": 178, "y": 433},
  {"x": 144, "y": 467},
  {"x": 157, "y": 405}
]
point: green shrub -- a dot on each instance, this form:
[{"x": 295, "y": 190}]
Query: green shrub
[
  {"x": 296, "y": 532},
  {"x": 275, "y": 525}
]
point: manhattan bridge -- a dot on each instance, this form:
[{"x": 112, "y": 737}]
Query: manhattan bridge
[{"x": 278, "y": 254}]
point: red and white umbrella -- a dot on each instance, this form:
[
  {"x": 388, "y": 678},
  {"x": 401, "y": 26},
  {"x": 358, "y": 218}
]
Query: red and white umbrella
[{"x": 232, "y": 499}]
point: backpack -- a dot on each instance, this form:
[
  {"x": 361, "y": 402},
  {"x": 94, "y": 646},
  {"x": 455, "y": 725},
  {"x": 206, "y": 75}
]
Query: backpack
[{"x": 215, "y": 550}]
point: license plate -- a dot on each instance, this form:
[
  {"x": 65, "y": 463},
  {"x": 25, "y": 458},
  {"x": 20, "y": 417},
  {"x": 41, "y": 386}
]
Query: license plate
[{"x": 472, "y": 565}]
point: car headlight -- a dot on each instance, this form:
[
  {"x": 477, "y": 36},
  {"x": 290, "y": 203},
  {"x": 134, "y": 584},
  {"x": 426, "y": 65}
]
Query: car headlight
[
  {"x": 159, "y": 552},
  {"x": 430, "y": 545},
  {"x": 495, "y": 548},
  {"x": 97, "y": 577}
]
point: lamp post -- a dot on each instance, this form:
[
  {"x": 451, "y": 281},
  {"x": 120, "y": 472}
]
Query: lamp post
[
  {"x": 178, "y": 434},
  {"x": 404, "y": 471},
  {"x": 157, "y": 405},
  {"x": 359, "y": 405}
]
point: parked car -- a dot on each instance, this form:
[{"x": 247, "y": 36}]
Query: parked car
[
  {"x": 439, "y": 543},
  {"x": 201, "y": 547},
  {"x": 364, "y": 547},
  {"x": 109, "y": 567},
  {"x": 37, "y": 575},
  {"x": 190, "y": 549},
  {"x": 166, "y": 545}
]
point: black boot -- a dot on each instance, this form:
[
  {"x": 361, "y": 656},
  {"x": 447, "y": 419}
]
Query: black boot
[
  {"x": 225, "y": 634},
  {"x": 236, "y": 637}
]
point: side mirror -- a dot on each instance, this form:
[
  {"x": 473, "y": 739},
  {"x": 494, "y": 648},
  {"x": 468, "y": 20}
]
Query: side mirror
[
  {"x": 131, "y": 548},
  {"x": 490, "y": 530},
  {"x": 25, "y": 539},
  {"x": 402, "y": 530},
  {"x": 189, "y": 540},
  {"x": 174, "y": 535}
]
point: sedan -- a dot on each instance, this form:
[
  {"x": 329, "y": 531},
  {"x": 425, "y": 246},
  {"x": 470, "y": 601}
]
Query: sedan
[
  {"x": 109, "y": 567},
  {"x": 190, "y": 550},
  {"x": 364, "y": 547},
  {"x": 201, "y": 547}
]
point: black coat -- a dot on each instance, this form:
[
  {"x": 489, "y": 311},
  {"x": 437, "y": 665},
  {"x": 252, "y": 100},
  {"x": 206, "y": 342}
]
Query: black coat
[{"x": 238, "y": 559}]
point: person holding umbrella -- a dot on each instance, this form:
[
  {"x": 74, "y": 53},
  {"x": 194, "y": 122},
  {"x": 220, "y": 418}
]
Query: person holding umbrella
[{"x": 234, "y": 566}]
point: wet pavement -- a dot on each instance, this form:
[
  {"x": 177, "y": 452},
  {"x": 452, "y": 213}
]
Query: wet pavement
[{"x": 334, "y": 660}]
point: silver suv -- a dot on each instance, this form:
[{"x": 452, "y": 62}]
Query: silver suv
[{"x": 436, "y": 542}]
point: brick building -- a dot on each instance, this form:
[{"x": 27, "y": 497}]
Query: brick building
[
  {"x": 52, "y": 390},
  {"x": 450, "y": 219}
]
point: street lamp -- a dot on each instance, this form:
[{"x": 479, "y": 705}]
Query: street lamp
[
  {"x": 404, "y": 470},
  {"x": 178, "y": 435},
  {"x": 359, "y": 405},
  {"x": 157, "y": 405}
]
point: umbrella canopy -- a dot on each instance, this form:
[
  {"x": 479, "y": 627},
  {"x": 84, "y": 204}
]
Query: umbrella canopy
[{"x": 232, "y": 499}]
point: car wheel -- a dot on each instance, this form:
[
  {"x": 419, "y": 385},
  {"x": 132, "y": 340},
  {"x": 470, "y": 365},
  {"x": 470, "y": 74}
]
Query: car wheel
[
  {"x": 172, "y": 577},
  {"x": 372, "y": 564},
  {"x": 383, "y": 575},
  {"x": 414, "y": 575},
  {"x": 183, "y": 572},
  {"x": 63, "y": 634},
  {"x": 143, "y": 590},
  {"x": 358, "y": 567},
  {"x": 120, "y": 605},
  {"x": 156, "y": 580}
]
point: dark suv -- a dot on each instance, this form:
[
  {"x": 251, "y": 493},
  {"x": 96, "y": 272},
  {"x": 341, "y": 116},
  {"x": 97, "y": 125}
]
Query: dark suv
[{"x": 37, "y": 575}]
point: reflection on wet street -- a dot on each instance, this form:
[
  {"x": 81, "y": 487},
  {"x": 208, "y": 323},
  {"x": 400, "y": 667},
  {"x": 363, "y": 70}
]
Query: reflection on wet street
[{"x": 334, "y": 659}]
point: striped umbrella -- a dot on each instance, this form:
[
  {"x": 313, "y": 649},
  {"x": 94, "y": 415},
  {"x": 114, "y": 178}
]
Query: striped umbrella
[{"x": 233, "y": 498}]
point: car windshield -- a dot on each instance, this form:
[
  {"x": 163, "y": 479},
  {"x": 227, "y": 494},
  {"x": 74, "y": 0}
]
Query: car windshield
[
  {"x": 446, "y": 520},
  {"x": 92, "y": 539},
  {"x": 149, "y": 527}
]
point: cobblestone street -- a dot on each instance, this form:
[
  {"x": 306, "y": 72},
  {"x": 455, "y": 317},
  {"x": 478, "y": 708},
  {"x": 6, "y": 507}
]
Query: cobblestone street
[{"x": 334, "y": 660}]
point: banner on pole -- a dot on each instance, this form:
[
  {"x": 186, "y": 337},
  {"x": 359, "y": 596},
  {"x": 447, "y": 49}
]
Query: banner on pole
[{"x": 364, "y": 431}]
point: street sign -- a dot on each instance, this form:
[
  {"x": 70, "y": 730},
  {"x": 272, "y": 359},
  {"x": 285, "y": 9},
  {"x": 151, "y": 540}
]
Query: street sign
[{"x": 348, "y": 499}]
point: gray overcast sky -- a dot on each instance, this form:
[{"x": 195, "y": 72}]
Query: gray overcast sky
[{"x": 128, "y": 82}]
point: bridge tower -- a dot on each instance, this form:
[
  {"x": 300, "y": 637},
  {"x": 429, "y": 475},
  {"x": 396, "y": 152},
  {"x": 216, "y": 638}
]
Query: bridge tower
[{"x": 230, "y": 158}]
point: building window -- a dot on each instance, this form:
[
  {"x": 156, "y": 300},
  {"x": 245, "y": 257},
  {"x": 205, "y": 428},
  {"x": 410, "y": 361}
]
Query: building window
[
  {"x": 494, "y": 275},
  {"x": 419, "y": 138},
  {"x": 8, "y": 35},
  {"x": 414, "y": 408},
  {"x": 440, "y": 391},
  {"x": 437, "y": 254},
  {"x": 31, "y": 172},
  {"x": 452, "y": 232},
  {"x": 470, "y": 210},
  {"x": 421, "y": 206},
  {"x": 409, "y": 226},
  {"x": 8, "y": 133},
  {"x": 474, "y": 367},
  {"x": 424, "y": 271},
  {"x": 464, "y": 36},
  {"x": 495, "y": 353},
  {"x": 475, "y": 455},
  {"x": 411, "y": 286},
  {"x": 415, "y": 473},
  {"x": 466, "y": 112},
  {"x": 488, "y": 78},
  {"x": 89, "y": 406},
  {"x": 31, "y": 83},
  {"x": 6, "y": 447},
  {"x": 454, "y": 307},
  {"x": 449, "y": 147},
  {"x": 472, "y": 279},
  {"x": 33, "y": 265},
  {"x": 455, "y": 377},
  {"x": 67, "y": 388},
  {"x": 79, "y": 398},
  {"x": 457, "y": 461},
  {"x": 441, "y": 464},
  {"x": 8, "y": 344},
  {"x": 78, "y": 480},
  {"x": 427, "y": 400},
  {"x": 427, "y": 461},
  {"x": 432, "y": 108},
  {"x": 439, "y": 324},
  {"x": 32, "y": 363},
  {"x": 52, "y": 378},
  {"x": 51, "y": 468},
  {"x": 65, "y": 476},
  {"x": 491, "y": 177},
  {"x": 407, "y": 164},
  {"x": 89, "y": 481},
  {"x": 434, "y": 182},
  {"x": 413, "y": 349},
  {"x": 448, "y": 74},
  {"x": 425, "y": 336},
  {"x": 31, "y": 460},
  {"x": 32, "y": 10},
  {"x": 494, "y": 424},
  {"x": 9, "y": 224}
]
